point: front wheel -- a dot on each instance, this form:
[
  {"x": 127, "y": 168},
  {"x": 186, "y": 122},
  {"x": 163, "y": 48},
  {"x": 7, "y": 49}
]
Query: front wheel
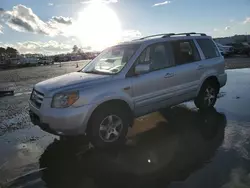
[
  {"x": 108, "y": 126},
  {"x": 207, "y": 96}
]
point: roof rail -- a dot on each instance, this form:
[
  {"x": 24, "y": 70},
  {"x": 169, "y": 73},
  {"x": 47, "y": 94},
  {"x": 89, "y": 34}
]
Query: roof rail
[
  {"x": 187, "y": 34},
  {"x": 164, "y": 35}
]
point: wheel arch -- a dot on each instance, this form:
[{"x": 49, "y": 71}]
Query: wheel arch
[
  {"x": 114, "y": 102},
  {"x": 211, "y": 78}
]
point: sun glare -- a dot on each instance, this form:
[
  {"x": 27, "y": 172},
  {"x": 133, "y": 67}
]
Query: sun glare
[{"x": 98, "y": 26}]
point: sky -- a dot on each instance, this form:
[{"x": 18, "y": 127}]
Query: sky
[{"x": 54, "y": 26}]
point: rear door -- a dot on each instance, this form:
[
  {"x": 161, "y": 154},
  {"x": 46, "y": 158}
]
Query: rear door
[
  {"x": 186, "y": 78},
  {"x": 213, "y": 62}
]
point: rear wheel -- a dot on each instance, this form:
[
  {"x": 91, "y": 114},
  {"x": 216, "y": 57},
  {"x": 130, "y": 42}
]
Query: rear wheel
[
  {"x": 207, "y": 96},
  {"x": 108, "y": 126}
]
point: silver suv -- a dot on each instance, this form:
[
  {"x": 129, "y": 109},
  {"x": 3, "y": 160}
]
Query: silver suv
[{"x": 127, "y": 81}]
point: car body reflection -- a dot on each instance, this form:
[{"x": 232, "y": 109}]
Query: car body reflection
[{"x": 170, "y": 151}]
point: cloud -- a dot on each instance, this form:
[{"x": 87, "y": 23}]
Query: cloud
[
  {"x": 227, "y": 28},
  {"x": 50, "y": 4},
  {"x": 162, "y": 3},
  {"x": 99, "y": 1},
  {"x": 1, "y": 29},
  {"x": 130, "y": 35},
  {"x": 247, "y": 20},
  {"x": 62, "y": 20},
  {"x": 23, "y": 19},
  {"x": 215, "y": 29},
  {"x": 50, "y": 47}
]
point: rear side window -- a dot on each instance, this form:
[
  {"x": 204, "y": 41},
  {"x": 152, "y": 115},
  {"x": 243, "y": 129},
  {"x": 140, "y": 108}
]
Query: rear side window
[
  {"x": 185, "y": 52},
  {"x": 209, "y": 48}
]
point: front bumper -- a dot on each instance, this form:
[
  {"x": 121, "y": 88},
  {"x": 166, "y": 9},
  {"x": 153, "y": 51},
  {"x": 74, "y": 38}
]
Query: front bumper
[
  {"x": 65, "y": 121},
  {"x": 36, "y": 121}
]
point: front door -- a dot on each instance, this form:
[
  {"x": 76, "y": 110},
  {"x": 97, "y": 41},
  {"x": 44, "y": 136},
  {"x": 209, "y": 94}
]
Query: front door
[{"x": 150, "y": 90}]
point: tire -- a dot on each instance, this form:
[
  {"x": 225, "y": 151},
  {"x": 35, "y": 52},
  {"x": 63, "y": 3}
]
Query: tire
[
  {"x": 102, "y": 133},
  {"x": 202, "y": 101}
]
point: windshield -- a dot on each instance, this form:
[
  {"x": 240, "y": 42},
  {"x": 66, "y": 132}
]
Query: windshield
[{"x": 111, "y": 60}]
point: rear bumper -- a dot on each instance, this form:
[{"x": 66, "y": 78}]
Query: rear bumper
[{"x": 222, "y": 79}]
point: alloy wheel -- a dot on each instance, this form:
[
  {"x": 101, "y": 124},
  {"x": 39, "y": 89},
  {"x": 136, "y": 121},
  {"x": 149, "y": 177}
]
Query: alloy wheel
[
  {"x": 210, "y": 96},
  {"x": 110, "y": 128}
]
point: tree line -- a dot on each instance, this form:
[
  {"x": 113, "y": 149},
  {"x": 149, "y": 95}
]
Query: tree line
[
  {"x": 77, "y": 50},
  {"x": 8, "y": 52}
]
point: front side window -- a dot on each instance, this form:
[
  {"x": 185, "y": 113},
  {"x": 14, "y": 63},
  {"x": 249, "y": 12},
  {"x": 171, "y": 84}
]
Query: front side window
[
  {"x": 185, "y": 52},
  {"x": 209, "y": 48},
  {"x": 155, "y": 55},
  {"x": 111, "y": 60}
]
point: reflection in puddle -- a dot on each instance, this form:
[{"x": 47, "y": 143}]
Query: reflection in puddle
[
  {"x": 182, "y": 142},
  {"x": 237, "y": 138}
]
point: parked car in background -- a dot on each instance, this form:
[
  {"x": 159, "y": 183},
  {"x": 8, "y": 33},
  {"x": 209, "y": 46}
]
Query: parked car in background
[
  {"x": 45, "y": 61},
  {"x": 28, "y": 61},
  {"x": 241, "y": 48},
  {"x": 225, "y": 50},
  {"x": 127, "y": 81}
]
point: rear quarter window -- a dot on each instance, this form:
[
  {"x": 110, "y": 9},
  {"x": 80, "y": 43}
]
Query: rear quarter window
[{"x": 208, "y": 48}]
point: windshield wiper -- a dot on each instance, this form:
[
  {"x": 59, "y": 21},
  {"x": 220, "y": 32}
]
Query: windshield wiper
[
  {"x": 98, "y": 72},
  {"x": 92, "y": 72}
]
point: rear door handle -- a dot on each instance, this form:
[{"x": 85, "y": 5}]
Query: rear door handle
[
  {"x": 169, "y": 75},
  {"x": 200, "y": 67}
]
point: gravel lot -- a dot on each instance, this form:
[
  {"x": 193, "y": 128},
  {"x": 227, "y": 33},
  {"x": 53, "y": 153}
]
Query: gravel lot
[{"x": 14, "y": 110}]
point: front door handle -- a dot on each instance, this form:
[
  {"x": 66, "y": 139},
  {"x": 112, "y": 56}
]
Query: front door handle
[
  {"x": 200, "y": 67},
  {"x": 169, "y": 75}
]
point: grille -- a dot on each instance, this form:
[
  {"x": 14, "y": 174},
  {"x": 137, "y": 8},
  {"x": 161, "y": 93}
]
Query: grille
[{"x": 37, "y": 98}]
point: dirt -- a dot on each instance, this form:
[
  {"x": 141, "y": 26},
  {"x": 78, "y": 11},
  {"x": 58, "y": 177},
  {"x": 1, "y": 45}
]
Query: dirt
[{"x": 237, "y": 62}]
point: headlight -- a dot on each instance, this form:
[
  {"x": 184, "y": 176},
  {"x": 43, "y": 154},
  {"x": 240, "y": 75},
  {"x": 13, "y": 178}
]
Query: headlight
[{"x": 64, "y": 100}]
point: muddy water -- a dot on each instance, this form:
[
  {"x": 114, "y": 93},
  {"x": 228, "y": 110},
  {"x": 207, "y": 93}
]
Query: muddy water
[{"x": 177, "y": 147}]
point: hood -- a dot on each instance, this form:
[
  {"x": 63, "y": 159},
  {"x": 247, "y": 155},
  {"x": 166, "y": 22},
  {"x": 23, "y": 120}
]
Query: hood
[{"x": 66, "y": 80}]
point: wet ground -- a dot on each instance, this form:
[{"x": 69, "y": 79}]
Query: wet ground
[{"x": 176, "y": 148}]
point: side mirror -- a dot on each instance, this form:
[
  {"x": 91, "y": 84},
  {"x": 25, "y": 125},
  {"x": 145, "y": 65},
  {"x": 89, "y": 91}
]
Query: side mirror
[{"x": 142, "y": 68}]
